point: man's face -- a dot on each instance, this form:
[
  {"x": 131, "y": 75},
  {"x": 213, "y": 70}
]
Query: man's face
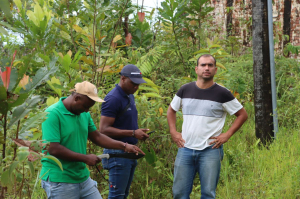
[
  {"x": 81, "y": 104},
  {"x": 128, "y": 86},
  {"x": 206, "y": 68}
]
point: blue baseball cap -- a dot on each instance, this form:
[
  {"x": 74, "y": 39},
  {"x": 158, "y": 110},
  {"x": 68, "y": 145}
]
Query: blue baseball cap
[{"x": 134, "y": 74}]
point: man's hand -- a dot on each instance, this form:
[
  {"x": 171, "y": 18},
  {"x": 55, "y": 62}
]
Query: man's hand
[
  {"x": 92, "y": 160},
  {"x": 219, "y": 140},
  {"x": 129, "y": 148},
  {"x": 177, "y": 138},
  {"x": 141, "y": 134}
]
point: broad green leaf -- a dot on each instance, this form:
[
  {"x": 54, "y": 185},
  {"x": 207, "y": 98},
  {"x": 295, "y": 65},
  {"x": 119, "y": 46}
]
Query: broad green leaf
[
  {"x": 66, "y": 62},
  {"x": 65, "y": 35},
  {"x": 13, "y": 79},
  {"x": 55, "y": 160},
  {"x": 22, "y": 155},
  {"x": 150, "y": 156},
  {"x": 12, "y": 168},
  {"x": 38, "y": 12},
  {"x": 21, "y": 99},
  {"x": 221, "y": 65},
  {"x": 117, "y": 38},
  {"x": 44, "y": 57},
  {"x": 33, "y": 18},
  {"x": 51, "y": 100},
  {"x": 12, "y": 28},
  {"x": 77, "y": 57},
  {"x": 150, "y": 82},
  {"x": 5, "y": 7},
  {"x": 152, "y": 95},
  {"x": 18, "y": 4},
  {"x": 79, "y": 29},
  {"x": 3, "y": 107},
  {"x": 22, "y": 110},
  {"x": 31, "y": 167},
  {"x": 138, "y": 33},
  {"x": 145, "y": 88},
  {"x": 41, "y": 75},
  {"x": 3, "y": 31},
  {"x": 87, "y": 60},
  {"x": 33, "y": 122},
  {"x": 22, "y": 70},
  {"x": 3, "y": 93},
  {"x": 202, "y": 51},
  {"x": 5, "y": 179},
  {"x": 51, "y": 83}
]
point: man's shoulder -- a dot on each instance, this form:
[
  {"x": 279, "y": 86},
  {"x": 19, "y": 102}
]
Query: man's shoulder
[
  {"x": 54, "y": 107},
  {"x": 222, "y": 93},
  {"x": 221, "y": 88},
  {"x": 188, "y": 85}
]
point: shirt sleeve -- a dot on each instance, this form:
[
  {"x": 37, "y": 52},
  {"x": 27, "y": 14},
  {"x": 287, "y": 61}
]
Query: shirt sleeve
[
  {"x": 92, "y": 126},
  {"x": 176, "y": 103},
  {"x": 232, "y": 106},
  {"x": 50, "y": 128},
  {"x": 110, "y": 107}
]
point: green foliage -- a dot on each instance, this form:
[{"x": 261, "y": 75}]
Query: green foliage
[
  {"x": 290, "y": 48},
  {"x": 67, "y": 42},
  {"x": 149, "y": 61}
]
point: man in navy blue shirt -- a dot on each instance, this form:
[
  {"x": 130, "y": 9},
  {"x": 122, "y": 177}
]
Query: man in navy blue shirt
[{"x": 119, "y": 118}]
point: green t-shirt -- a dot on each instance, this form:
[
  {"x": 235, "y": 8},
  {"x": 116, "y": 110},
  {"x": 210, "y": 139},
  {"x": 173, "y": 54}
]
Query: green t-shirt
[{"x": 71, "y": 131}]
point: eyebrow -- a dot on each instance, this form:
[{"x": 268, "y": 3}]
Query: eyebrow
[{"x": 203, "y": 64}]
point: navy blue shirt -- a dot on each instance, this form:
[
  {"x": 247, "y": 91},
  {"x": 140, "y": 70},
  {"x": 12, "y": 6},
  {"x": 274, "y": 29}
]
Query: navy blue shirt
[{"x": 115, "y": 102}]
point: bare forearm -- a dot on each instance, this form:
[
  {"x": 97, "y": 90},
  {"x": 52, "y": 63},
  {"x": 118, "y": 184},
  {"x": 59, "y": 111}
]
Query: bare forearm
[
  {"x": 116, "y": 133},
  {"x": 64, "y": 153},
  {"x": 106, "y": 142},
  {"x": 238, "y": 122},
  {"x": 171, "y": 116}
]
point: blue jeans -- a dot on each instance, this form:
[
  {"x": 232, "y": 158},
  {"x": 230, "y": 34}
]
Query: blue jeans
[
  {"x": 206, "y": 162},
  {"x": 121, "y": 172},
  {"x": 85, "y": 190}
]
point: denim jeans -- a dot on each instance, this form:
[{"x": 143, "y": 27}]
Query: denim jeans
[
  {"x": 85, "y": 190},
  {"x": 121, "y": 172},
  {"x": 206, "y": 162}
]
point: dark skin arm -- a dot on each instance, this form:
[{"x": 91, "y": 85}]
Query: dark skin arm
[
  {"x": 107, "y": 129},
  {"x": 61, "y": 152},
  {"x": 241, "y": 117}
]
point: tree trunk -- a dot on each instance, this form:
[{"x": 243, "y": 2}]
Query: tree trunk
[
  {"x": 261, "y": 72},
  {"x": 125, "y": 27},
  {"x": 229, "y": 18},
  {"x": 287, "y": 21}
]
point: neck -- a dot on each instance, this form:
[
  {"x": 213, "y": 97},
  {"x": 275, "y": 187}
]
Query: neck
[
  {"x": 121, "y": 85},
  {"x": 204, "y": 84},
  {"x": 67, "y": 103}
]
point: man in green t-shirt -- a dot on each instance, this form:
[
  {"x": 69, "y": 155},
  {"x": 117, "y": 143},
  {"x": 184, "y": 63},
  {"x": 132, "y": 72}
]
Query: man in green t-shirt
[{"x": 67, "y": 128}]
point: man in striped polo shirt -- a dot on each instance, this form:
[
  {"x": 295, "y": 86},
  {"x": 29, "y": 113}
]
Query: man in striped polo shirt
[{"x": 204, "y": 106}]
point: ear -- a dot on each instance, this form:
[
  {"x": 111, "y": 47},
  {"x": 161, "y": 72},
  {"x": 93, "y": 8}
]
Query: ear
[
  {"x": 77, "y": 97},
  {"x": 123, "y": 78}
]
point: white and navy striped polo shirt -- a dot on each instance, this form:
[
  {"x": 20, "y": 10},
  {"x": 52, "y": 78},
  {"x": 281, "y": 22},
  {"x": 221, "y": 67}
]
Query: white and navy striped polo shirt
[{"x": 204, "y": 112}]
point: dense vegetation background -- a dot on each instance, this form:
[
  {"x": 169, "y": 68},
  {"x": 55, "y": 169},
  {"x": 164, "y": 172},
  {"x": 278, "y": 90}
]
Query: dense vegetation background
[{"x": 65, "y": 42}]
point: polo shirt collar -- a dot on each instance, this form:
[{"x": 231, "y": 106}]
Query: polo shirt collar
[{"x": 62, "y": 107}]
